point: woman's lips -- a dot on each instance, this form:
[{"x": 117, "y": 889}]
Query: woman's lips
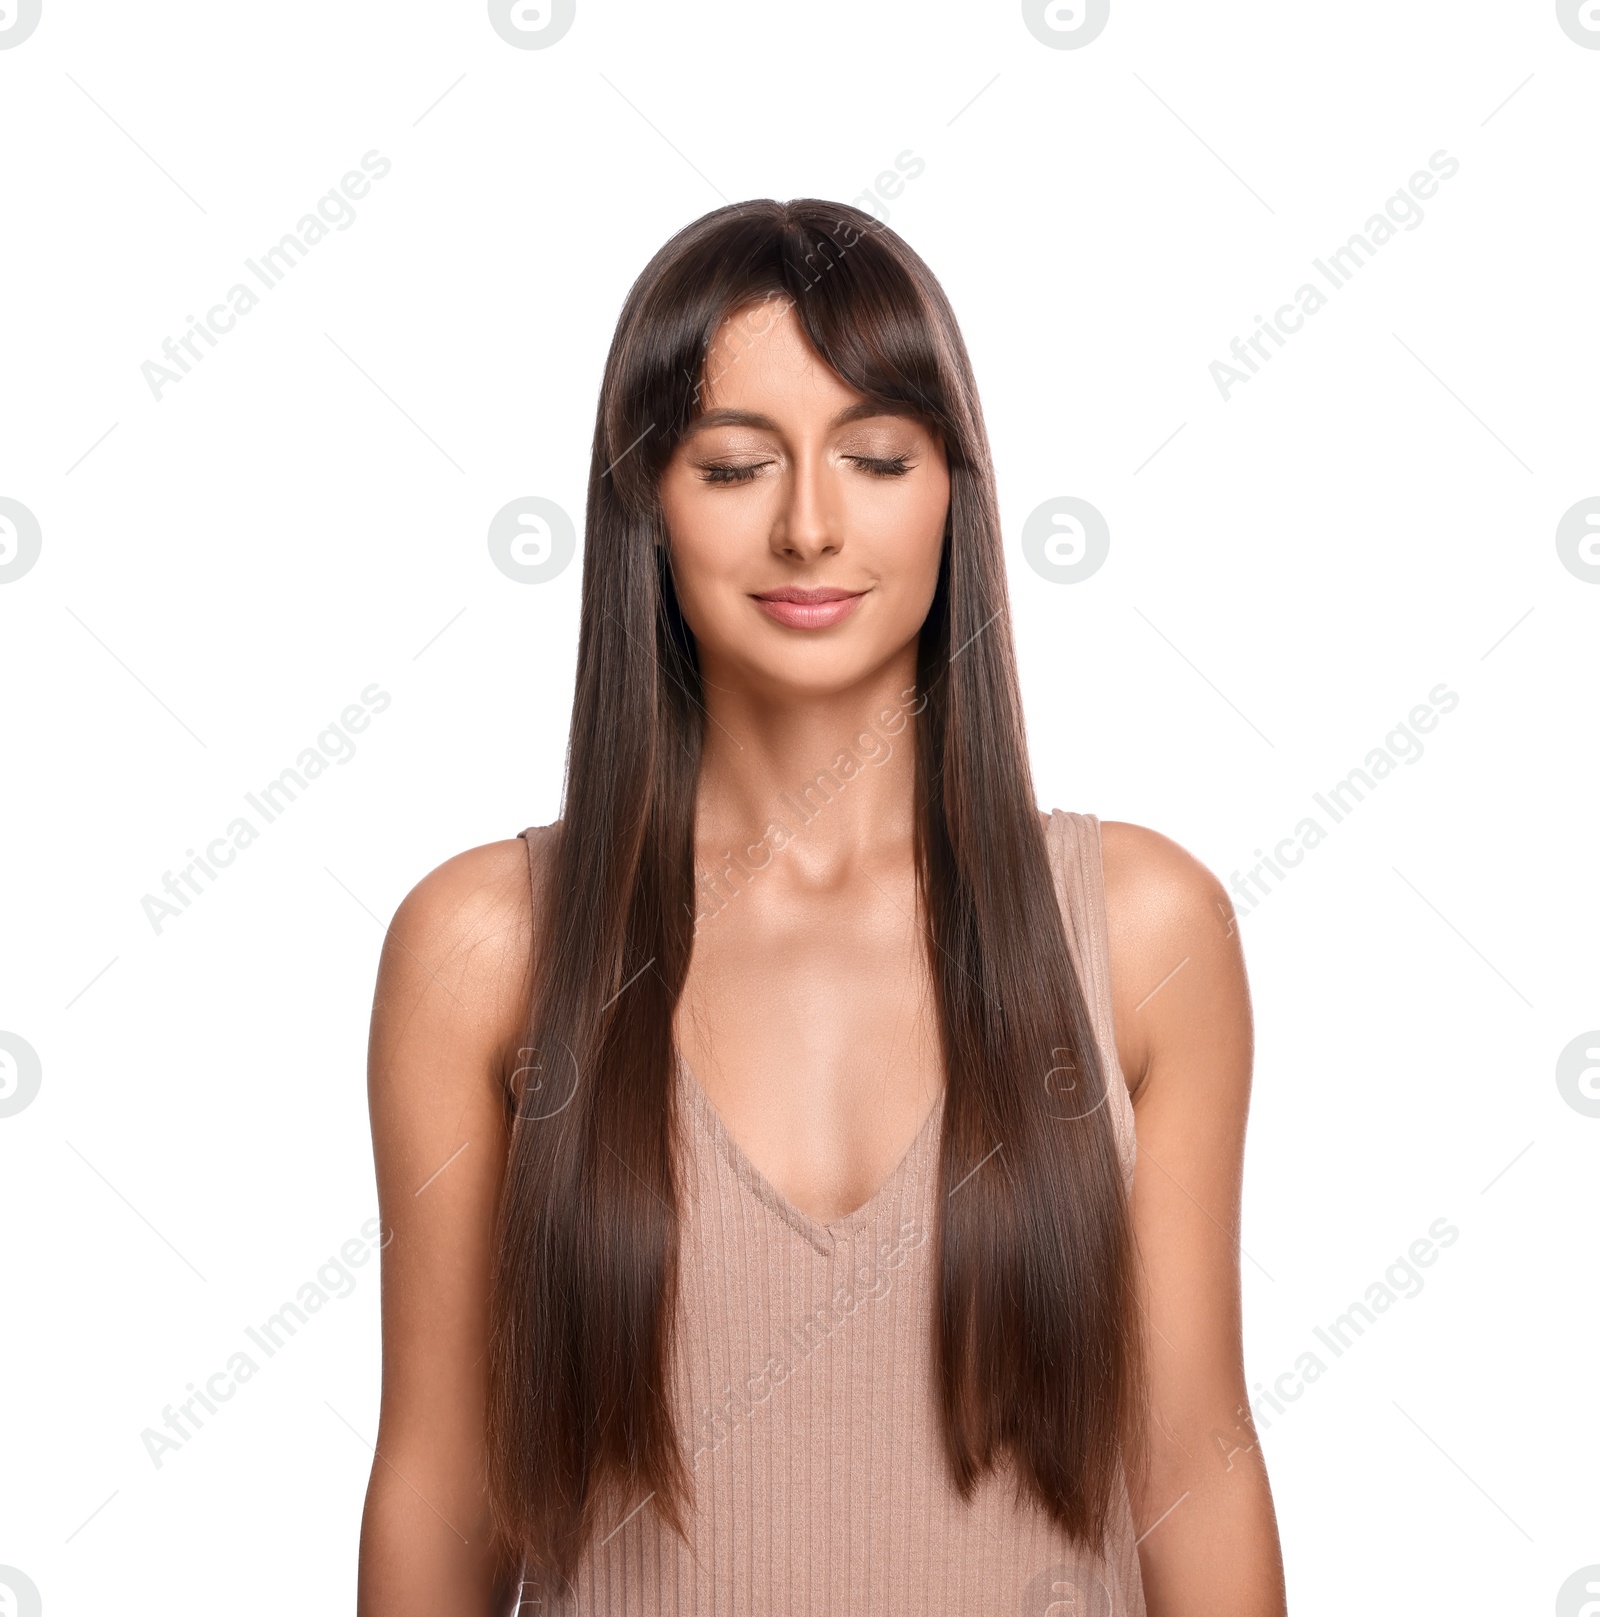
[{"x": 808, "y": 609}]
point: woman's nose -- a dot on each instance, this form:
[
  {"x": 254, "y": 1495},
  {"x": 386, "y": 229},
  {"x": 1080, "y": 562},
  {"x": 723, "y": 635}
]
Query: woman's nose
[{"x": 809, "y": 524}]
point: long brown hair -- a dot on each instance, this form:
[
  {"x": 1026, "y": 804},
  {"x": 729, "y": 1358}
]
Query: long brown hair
[{"x": 1036, "y": 1332}]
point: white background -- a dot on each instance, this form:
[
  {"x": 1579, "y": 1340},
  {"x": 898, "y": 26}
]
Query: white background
[{"x": 305, "y": 514}]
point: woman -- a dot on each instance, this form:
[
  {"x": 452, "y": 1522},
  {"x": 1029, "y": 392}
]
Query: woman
[{"x": 758, "y": 1140}]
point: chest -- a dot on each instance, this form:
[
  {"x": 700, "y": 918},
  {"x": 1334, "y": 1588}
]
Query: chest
[{"x": 808, "y": 1021}]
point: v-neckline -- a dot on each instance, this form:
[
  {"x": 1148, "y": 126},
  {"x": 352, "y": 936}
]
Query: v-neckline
[{"x": 822, "y": 1236}]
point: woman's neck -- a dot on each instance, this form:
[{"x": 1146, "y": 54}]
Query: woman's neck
[{"x": 830, "y": 777}]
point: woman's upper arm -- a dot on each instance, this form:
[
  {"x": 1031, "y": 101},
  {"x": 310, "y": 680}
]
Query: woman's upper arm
[
  {"x": 1181, "y": 1005},
  {"x": 447, "y": 1017},
  {"x": 1182, "y": 1012}
]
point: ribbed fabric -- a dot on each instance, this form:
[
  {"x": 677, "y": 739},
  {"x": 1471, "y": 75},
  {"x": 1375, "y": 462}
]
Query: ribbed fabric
[{"x": 802, "y": 1384}]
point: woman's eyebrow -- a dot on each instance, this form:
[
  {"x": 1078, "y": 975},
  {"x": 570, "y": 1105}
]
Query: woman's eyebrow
[
  {"x": 869, "y": 408},
  {"x": 864, "y": 411},
  {"x": 731, "y": 418}
]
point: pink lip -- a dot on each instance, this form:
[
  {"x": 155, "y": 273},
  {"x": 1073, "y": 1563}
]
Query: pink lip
[{"x": 797, "y": 608}]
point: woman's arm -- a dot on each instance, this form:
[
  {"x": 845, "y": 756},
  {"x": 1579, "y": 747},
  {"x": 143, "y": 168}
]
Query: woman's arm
[
  {"x": 1182, "y": 1010},
  {"x": 449, "y": 1009}
]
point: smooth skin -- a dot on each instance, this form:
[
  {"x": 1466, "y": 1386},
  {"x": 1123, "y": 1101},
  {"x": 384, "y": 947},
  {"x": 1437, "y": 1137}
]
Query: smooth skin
[{"x": 791, "y": 479}]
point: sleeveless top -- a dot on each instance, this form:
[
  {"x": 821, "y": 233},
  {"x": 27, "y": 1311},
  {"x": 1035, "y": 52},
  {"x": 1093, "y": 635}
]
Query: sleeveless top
[{"x": 802, "y": 1388}]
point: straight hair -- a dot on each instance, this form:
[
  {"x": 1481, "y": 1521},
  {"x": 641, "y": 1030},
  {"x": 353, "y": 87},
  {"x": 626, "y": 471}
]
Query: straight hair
[{"x": 1036, "y": 1331}]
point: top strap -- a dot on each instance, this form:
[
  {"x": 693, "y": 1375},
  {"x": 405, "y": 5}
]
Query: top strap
[{"x": 1075, "y": 858}]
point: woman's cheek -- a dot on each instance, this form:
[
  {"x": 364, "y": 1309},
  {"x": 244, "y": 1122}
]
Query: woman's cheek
[{"x": 706, "y": 574}]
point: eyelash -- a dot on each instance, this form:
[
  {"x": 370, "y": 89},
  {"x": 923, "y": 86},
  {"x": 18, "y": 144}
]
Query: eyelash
[
  {"x": 891, "y": 466},
  {"x": 888, "y": 466}
]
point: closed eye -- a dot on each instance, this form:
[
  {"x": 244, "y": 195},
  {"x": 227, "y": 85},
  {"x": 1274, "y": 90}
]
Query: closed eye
[
  {"x": 726, "y": 472},
  {"x": 892, "y": 466},
  {"x": 714, "y": 472}
]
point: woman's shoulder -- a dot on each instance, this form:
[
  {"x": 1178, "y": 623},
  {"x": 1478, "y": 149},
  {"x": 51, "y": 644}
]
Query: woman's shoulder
[
  {"x": 1145, "y": 871},
  {"x": 1150, "y": 872},
  {"x": 1173, "y": 941},
  {"x": 480, "y": 885},
  {"x": 466, "y": 928},
  {"x": 484, "y": 882}
]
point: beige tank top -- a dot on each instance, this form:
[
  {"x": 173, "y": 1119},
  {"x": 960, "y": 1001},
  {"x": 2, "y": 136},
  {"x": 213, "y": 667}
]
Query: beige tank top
[{"x": 802, "y": 1385}]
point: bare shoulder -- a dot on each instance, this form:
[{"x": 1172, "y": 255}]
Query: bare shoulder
[
  {"x": 458, "y": 957},
  {"x": 1152, "y": 875},
  {"x": 1177, "y": 970},
  {"x": 476, "y": 902}
]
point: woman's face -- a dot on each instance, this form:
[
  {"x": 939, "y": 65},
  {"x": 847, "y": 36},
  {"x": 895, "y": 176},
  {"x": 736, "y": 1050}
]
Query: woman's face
[{"x": 790, "y": 484}]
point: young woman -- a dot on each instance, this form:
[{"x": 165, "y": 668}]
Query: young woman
[{"x": 758, "y": 1141}]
